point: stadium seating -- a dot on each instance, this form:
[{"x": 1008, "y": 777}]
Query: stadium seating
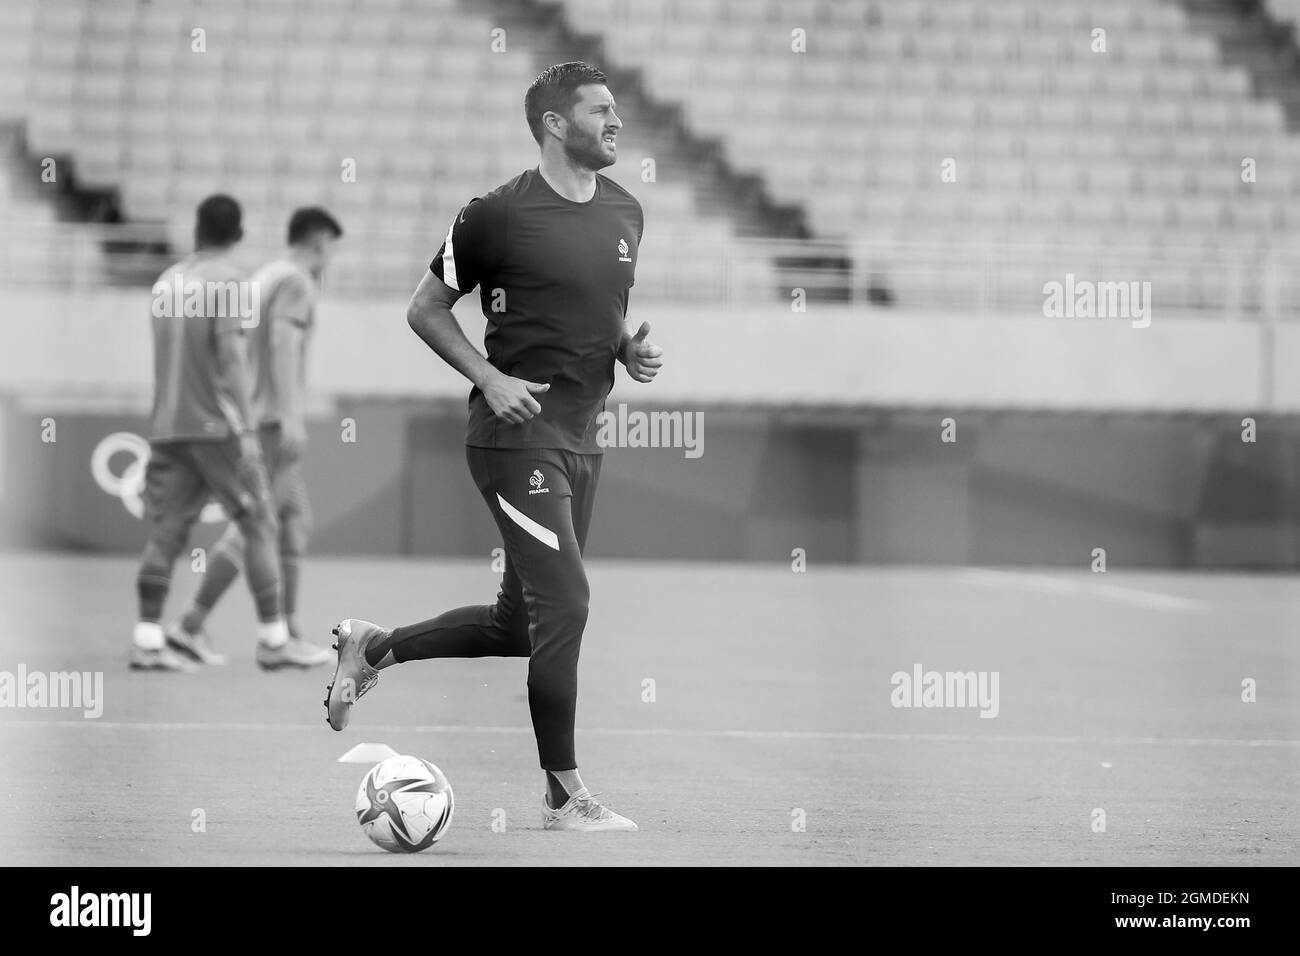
[
  {"x": 1052, "y": 141},
  {"x": 284, "y": 98},
  {"x": 1057, "y": 152}
]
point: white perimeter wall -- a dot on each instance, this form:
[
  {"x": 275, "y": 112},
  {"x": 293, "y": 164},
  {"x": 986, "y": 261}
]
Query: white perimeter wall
[{"x": 87, "y": 348}]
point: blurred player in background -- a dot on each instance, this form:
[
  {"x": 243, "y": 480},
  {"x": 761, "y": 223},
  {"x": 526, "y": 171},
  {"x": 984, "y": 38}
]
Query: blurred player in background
[
  {"x": 277, "y": 353},
  {"x": 201, "y": 439},
  {"x": 553, "y": 253}
]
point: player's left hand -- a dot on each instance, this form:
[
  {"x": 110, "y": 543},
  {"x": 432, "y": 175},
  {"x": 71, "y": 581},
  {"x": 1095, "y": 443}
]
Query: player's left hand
[{"x": 642, "y": 359}]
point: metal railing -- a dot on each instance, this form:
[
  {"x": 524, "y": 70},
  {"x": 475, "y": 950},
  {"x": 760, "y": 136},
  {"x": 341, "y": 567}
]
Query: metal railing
[{"x": 966, "y": 276}]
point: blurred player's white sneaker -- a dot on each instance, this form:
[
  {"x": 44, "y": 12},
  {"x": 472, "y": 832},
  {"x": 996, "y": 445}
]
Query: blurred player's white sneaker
[
  {"x": 582, "y": 812},
  {"x": 295, "y": 652},
  {"x": 160, "y": 659},
  {"x": 197, "y": 647},
  {"x": 352, "y": 676}
]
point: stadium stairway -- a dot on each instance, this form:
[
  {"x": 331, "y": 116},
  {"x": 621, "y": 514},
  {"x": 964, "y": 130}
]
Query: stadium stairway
[
  {"x": 43, "y": 196},
  {"x": 360, "y": 105},
  {"x": 1256, "y": 35},
  {"x": 1077, "y": 154},
  {"x": 719, "y": 188},
  {"x": 1071, "y": 163},
  {"x": 1260, "y": 37},
  {"x": 21, "y": 200},
  {"x": 40, "y": 195}
]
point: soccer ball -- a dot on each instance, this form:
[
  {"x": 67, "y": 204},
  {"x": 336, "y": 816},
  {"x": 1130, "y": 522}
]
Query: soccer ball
[{"x": 404, "y": 804}]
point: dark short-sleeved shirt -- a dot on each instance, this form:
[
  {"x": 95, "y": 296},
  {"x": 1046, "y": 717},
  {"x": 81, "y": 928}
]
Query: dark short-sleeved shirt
[
  {"x": 553, "y": 278},
  {"x": 194, "y": 301}
]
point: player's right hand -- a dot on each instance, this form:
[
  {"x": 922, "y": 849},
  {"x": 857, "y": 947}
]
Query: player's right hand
[{"x": 511, "y": 399}]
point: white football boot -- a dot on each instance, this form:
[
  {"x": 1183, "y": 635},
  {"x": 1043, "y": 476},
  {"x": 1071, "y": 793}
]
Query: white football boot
[
  {"x": 295, "y": 652},
  {"x": 353, "y": 677},
  {"x": 197, "y": 647},
  {"x": 582, "y": 812}
]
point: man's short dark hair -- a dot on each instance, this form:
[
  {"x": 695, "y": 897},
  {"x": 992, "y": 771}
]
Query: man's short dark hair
[
  {"x": 555, "y": 92},
  {"x": 218, "y": 222},
  {"x": 309, "y": 220}
]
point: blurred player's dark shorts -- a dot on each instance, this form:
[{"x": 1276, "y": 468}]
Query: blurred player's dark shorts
[{"x": 183, "y": 475}]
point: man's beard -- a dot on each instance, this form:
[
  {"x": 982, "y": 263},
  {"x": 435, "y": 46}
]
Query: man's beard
[{"x": 587, "y": 152}]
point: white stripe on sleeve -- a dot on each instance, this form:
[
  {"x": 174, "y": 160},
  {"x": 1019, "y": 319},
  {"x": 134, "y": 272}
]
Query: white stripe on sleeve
[{"x": 449, "y": 261}]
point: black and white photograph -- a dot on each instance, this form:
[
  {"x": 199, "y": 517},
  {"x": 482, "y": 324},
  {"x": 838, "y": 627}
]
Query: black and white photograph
[{"x": 619, "y": 433}]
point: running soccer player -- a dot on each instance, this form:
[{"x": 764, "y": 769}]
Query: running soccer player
[
  {"x": 277, "y": 352},
  {"x": 201, "y": 442},
  {"x": 553, "y": 253}
]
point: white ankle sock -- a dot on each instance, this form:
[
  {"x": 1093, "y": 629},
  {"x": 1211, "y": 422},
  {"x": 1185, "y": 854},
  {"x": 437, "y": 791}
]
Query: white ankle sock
[
  {"x": 273, "y": 633},
  {"x": 149, "y": 635}
]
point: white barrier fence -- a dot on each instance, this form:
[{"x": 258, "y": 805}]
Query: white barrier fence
[{"x": 966, "y": 275}]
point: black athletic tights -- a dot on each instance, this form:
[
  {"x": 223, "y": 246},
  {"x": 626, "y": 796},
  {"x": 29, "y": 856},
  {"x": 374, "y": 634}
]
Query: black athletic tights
[{"x": 541, "y": 499}]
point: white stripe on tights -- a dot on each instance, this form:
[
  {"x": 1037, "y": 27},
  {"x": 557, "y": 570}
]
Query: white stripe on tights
[{"x": 545, "y": 535}]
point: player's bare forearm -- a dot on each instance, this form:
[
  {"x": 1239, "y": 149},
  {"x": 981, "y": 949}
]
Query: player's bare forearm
[
  {"x": 431, "y": 318},
  {"x": 429, "y": 315},
  {"x": 440, "y": 331},
  {"x": 286, "y": 374},
  {"x": 234, "y": 372}
]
